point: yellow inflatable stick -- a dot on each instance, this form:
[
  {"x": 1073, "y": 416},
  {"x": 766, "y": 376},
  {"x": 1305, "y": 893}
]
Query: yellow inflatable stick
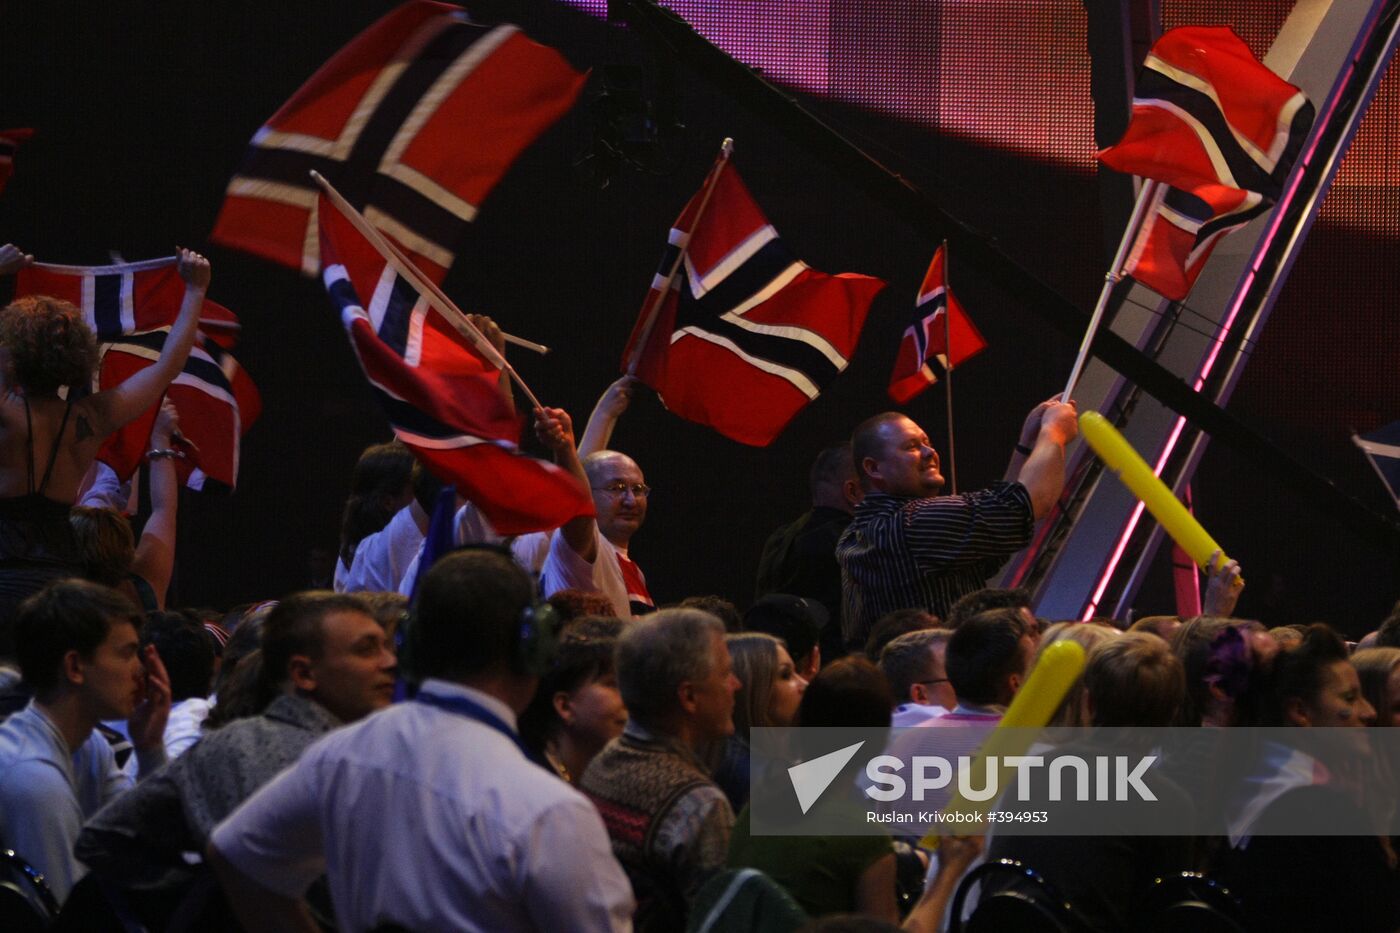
[
  {"x": 1119, "y": 456},
  {"x": 1058, "y": 668}
]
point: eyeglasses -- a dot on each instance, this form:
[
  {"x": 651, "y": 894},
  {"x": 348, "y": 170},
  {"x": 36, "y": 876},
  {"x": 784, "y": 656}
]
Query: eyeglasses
[
  {"x": 936, "y": 680},
  {"x": 638, "y": 490}
]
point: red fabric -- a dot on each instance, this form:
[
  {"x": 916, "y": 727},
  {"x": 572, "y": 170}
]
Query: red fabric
[
  {"x": 725, "y": 386},
  {"x": 475, "y": 123},
  {"x": 1179, "y": 234},
  {"x": 130, "y": 307},
  {"x": 927, "y": 339},
  {"x": 150, "y": 296},
  {"x": 9, "y": 142},
  {"x": 633, "y": 580},
  {"x": 443, "y": 402},
  {"x": 213, "y": 417},
  {"x": 1222, "y": 132},
  {"x": 1257, "y": 107}
]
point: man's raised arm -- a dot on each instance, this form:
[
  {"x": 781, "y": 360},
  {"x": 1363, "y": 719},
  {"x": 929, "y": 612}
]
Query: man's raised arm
[
  {"x": 555, "y": 430},
  {"x": 611, "y": 404},
  {"x": 1043, "y": 473}
]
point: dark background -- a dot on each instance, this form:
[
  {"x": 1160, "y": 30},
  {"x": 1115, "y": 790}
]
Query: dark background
[{"x": 143, "y": 112}]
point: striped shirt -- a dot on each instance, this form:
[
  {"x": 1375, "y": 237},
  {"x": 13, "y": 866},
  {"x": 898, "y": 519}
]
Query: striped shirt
[{"x": 907, "y": 553}]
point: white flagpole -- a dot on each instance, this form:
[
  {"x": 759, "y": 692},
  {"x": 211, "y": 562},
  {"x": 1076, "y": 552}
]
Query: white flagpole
[
  {"x": 948, "y": 370},
  {"x": 650, "y": 314},
  {"x": 405, "y": 268},
  {"x": 1114, "y": 276}
]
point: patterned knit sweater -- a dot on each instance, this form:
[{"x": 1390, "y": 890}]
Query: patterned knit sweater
[{"x": 668, "y": 822}]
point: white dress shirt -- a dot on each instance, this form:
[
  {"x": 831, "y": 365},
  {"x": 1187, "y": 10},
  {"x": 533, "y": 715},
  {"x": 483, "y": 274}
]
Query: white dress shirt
[
  {"x": 432, "y": 820},
  {"x": 185, "y": 725},
  {"x": 381, "y": 558}
]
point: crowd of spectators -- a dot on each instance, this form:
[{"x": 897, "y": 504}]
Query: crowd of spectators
[{"x": 511, "y": 736}]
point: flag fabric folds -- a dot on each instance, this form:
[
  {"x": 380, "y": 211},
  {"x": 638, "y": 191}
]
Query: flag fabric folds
[
  {"x": 742, "y": 335},
  {"x": 414, "y": 122},
  {"x": 1382, "y": 448},
  {"x": 9, "y": 143},
  {"x": 440, "y": 396},
  {"x": 1218, "y": 127},
  {"x": 131, "y": 307},
  {"x": 950, "y": 340},
  {"x": 1179, "y": 233}
]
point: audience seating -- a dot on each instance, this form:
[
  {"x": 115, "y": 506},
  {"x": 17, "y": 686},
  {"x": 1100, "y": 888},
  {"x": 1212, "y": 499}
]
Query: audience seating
[{"x": 1028, "y": 903}]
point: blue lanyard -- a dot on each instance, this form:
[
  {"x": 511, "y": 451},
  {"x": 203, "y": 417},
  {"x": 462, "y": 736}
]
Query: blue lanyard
[{"x": 466, "y": 706}]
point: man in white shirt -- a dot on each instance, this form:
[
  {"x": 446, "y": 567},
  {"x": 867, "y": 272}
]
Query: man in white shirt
[
  {"x": 591, "y": 553},
  {"x": 383, "y": 559},
  {"x": 78, "y": 649},
  {"x": 428, "y": 815}
]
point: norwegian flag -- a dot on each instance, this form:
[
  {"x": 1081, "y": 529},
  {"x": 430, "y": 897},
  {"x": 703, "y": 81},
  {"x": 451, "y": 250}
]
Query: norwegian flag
[
  {"x": 440, "y": 396},
  {"x": 1219, "y": 129},
  {"x": 9, "y": 143},
  {"x": 130, "y": 307},
  {"x": 746, "y": 335},
  {"x": 216, "y": 399},
  {"x": 942, "y": 331},
  {"x": 1180, "y": 232},
  {"x": 414, "y": 122},
  {"x": 1208, "y": 114}
]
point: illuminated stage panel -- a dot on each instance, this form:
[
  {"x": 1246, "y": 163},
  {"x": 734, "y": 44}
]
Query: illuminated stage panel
[
  {"x": 1010, "y": 74},
  {"x": 788, "y": 40}
]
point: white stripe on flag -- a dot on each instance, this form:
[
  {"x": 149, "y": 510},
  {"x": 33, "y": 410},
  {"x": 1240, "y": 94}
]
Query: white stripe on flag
[
  {"x": 736, "y": 257},
  {"x": 128, "y": 307},
  {"x": 798, "y": 378},
  {"x": 1207, "y": 141}
]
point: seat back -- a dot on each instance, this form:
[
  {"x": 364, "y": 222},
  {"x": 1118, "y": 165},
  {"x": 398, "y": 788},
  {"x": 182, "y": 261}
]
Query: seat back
[
  {"x": 1011, "y": 896},
  {"x": 26, "y": 903},
  {"x": 1190, "y": 902}
]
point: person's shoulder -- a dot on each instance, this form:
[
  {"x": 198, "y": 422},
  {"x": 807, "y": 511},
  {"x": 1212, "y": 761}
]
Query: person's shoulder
[{"x": 32, "y": 784}]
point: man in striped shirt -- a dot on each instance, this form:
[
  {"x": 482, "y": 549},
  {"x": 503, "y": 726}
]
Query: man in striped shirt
[{"x": 907, "y": 547}]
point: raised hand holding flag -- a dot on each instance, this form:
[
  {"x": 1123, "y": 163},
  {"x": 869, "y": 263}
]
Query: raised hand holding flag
[
  {"x": 437, "y": 386},
  {"x": 131, "y": 308}
]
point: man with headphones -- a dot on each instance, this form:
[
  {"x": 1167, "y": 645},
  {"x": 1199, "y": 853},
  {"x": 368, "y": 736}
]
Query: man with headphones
[{"x": 429, "y": 815}]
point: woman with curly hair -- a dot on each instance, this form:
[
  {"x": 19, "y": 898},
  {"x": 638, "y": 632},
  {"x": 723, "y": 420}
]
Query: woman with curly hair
[{"x": 47, "y": 443}]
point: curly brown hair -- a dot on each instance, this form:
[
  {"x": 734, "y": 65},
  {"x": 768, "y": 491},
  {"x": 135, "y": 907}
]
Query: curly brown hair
[{"x": 49, "y": 342}]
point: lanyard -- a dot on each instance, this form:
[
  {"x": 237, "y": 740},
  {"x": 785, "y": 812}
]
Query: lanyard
[{"x": 466, "y": 706}]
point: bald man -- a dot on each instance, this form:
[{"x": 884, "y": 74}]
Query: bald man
[
  {"x": 908, "y": 547},
  {"x": 591, "y": 553}
]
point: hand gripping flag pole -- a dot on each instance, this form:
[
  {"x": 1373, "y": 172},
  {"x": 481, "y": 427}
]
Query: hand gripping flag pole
[
  {"x": 403, "y": 267},
  {"x": 726, "y": 150},
  {"x": 1114, "y": 276}
]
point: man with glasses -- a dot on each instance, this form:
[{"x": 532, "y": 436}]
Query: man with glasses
[
  {"x": 913, "y": 664},
  {"x": 591, "y": 553}
]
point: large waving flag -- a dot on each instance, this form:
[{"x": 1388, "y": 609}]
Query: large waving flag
[
  {"x": 9, "y": 143},
  {"x": 1222, "y": 131},
  {"x": 414, "y": 122},
  {"x": 439, "y": 394},
  {"x": 737, "y": 333},
  {"x": 131, "y": 307},
  {"x": 941, "y": 331}
]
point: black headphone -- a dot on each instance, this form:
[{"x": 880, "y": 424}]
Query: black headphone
[{"x": 537, "y": 626}]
